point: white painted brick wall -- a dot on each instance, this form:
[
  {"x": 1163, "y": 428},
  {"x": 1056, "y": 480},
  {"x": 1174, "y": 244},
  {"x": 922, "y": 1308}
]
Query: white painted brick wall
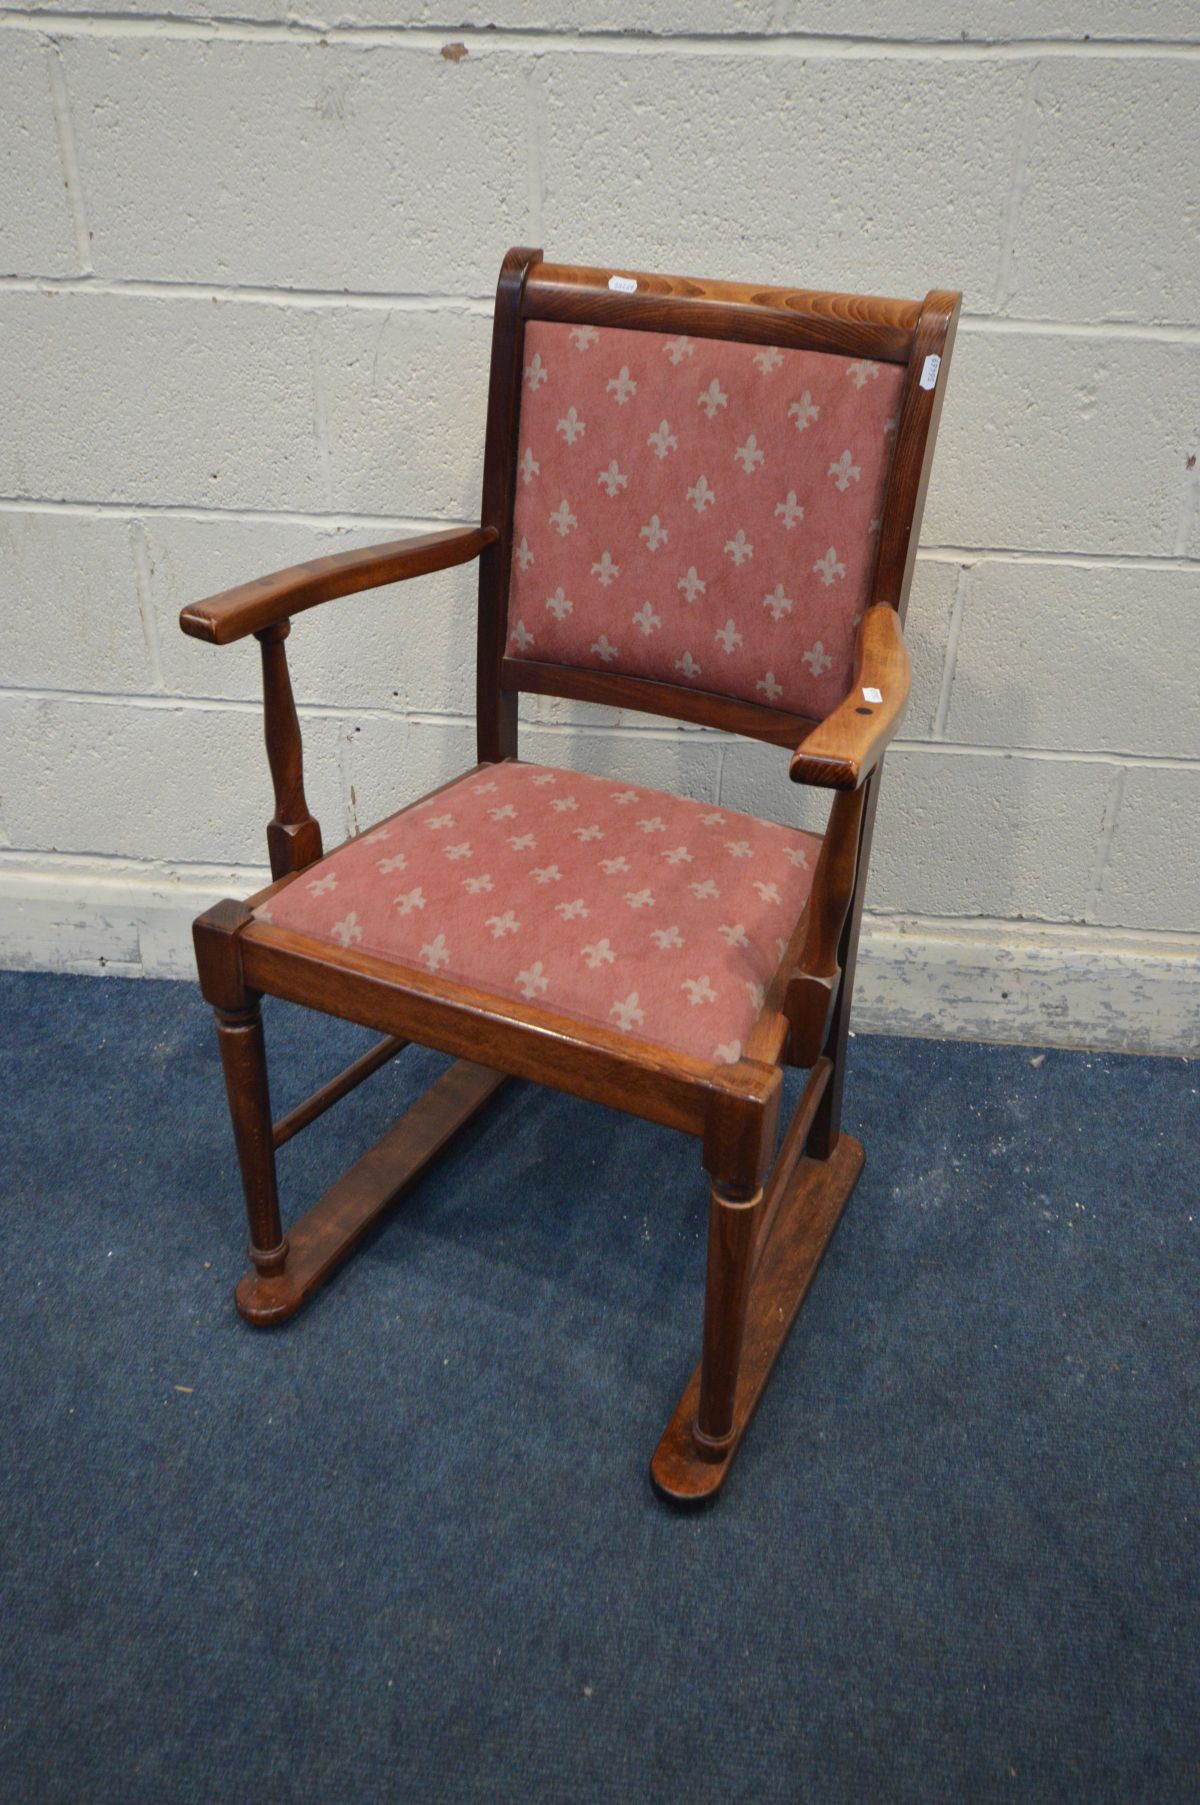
[
  {"x": 803, "y": 163},
  {"x": 246, "y": 262},
  {"x": 167, "y": 780},
  {"x": 1069, "y": 442},
  {"x": 334, "y": 137},
  {"x": 164, "y": 401},
  {"x": 1103, "y": 658},
  {"x": 69, "y": 605},
  {"x": 1154, "y": 866},
  {"x": 36, "y": 227}
]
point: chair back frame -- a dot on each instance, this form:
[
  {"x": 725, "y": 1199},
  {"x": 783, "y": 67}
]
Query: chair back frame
[{"x": 916, "y": 334}]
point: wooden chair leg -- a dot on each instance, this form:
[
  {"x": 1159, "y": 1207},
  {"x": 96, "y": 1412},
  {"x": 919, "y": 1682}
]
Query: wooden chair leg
[
  {"x": 286, "y": 1270},
  {"x": 331, "y": 1229},
  {"x": 732, "y": 1215},
  {"x": 764, "y": 1249},
  {"x": 244, "y": 1061}
]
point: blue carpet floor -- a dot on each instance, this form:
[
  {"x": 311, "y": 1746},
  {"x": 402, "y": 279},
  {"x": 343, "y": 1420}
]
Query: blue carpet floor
[{"x": 406, "y": 1549}]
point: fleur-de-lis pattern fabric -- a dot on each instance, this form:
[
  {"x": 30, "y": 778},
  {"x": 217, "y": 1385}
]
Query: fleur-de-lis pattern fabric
[
  {"x": 698, "y": 511},
  {"x": 652, "y": 916}
]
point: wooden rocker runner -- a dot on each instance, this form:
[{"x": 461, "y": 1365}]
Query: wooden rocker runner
[{"x": 700, "y": 500}]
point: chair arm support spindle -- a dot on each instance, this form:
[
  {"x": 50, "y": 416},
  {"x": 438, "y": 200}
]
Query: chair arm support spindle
[
  {"x": 813, "y": 985},
  {"x": 264, "y": 607},
  {"x": 293, "y": 834}
]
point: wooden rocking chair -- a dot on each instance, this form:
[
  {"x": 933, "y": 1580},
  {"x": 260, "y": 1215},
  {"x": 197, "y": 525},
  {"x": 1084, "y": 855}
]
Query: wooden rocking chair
[{"x": 701, "y": 500}]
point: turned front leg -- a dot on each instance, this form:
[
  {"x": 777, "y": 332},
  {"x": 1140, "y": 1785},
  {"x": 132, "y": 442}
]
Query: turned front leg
[
  {"x": 244, "y": 1061},
  {"x": 732, "y": 1219}
]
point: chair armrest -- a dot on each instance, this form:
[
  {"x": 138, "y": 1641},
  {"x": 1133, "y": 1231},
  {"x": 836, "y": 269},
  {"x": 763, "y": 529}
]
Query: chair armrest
[
  {"x": 253, "y": 606},
  {"x": 844, "y": 749}
]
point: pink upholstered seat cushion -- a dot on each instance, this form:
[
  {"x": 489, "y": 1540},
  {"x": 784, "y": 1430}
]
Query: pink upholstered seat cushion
[
  {"x": 697, "y": 511},
  {"x": 627, "y": 907}
]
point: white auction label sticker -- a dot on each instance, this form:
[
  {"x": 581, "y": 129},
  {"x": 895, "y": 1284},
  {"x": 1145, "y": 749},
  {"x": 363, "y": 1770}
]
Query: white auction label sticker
[
  {"x": 872, "y": 695},
  {"x": 624, "y": 285},
  {"x": 929, "y": 369}
]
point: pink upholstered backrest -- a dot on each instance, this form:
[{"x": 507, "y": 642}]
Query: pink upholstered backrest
[{"x": 698, "y": 511}]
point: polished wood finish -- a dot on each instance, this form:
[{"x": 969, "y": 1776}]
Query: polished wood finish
[
  {"x": 522, "y": 1039},
  {"x": 912, "y": 459},
  {"x": 289, "y": 1126},
  {"x": 827, "y": 1122},
  {"x": 795, "y": 318},
  {"x": 813, "y": 988},
  {"x": 263, "y": 607},
  {"x": 244, "y": 1062},
  {"x": 234, "y": 613},
  {"x": 765, "y": 1242},
  {"x": 790, "y": 1154},
  {"x": 687, "y": 1471},
  {"x": 216, "y": 936},
  {"x": 732, "y": 1217},
  {"x": 496, "y": 707},
  {"x": 848, "y": 744},
  {"x": 741, "y": 1119},
  {"x": 333, "y": 1227},
  {"x": 293, "y": 835},
  {"x": 736, "y": 1248},
  {"x": 649, "y": 696}
]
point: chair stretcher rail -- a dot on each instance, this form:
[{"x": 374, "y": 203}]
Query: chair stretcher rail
[{"x": 290, "y": 1125}]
